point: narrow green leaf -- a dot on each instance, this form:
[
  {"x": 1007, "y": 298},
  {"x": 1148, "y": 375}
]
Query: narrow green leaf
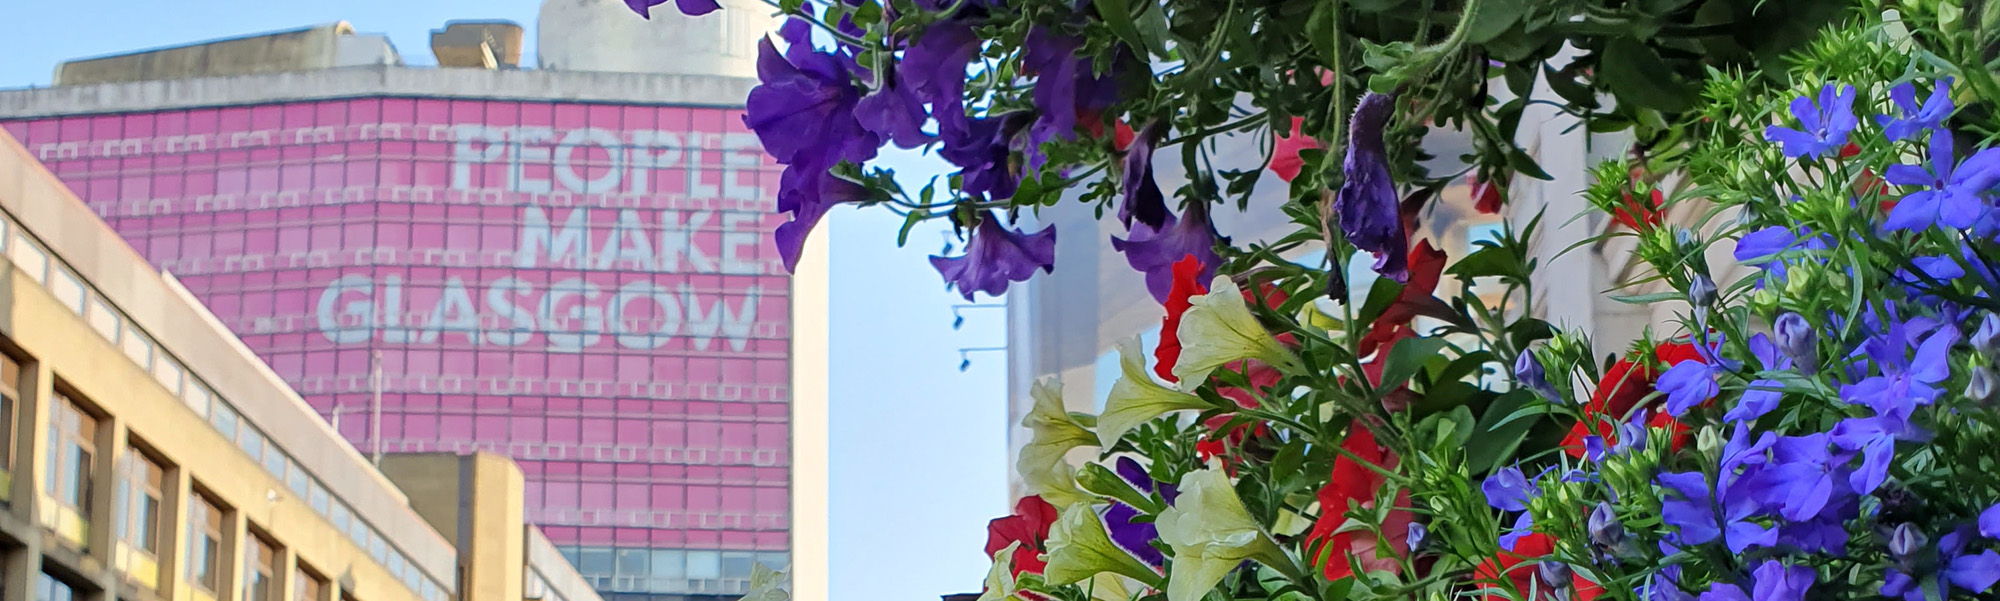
[
  {"x": 1647, "y": 299},
  {"x": 910, "y": 221}
]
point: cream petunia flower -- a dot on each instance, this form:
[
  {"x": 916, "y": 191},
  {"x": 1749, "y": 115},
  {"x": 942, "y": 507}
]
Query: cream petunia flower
[
  {"x": 1136, "y": 399},
  {"x": 1219, "y": 329}
]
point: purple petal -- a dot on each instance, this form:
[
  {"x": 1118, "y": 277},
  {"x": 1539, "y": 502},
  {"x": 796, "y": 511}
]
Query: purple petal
[
  {"x": 996, "y": 257},
  {"x": 1976, "y": 572},
  {"x": 1154, "y": 251},
  {"x": 1989, "y": 522}
]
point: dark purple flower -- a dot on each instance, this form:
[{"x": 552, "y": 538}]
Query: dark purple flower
[
  {"x": 1154, "y": 251},
  {"x": 692, "y": 8},
  {"x": 1606, "y": 532},
  {"x": 1370, "y": 213},
  {"x": 1823, "y": 126},
  {"x": 1134, "y": 537},
  {"x": 1067, "y": 89},
  {"x": 894, "y": 113},
  {"x": 1143, "y": 200},
  {"x": 1529, "y": 372},
  {"x": 1951, "y": 192},
  {"x": 803, "y": 108},
  {"x": 1916, "y": 119},
  {"x": 1986, "y": 339},
  {"x": 996, "y": 257},
  {"x": 808, "y": 200},
  {"x": 934, "y": 68},
  {"x": 982, "y": 149}
]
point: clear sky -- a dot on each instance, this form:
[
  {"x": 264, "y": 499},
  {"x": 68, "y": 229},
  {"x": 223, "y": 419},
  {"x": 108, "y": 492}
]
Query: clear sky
[{"x": 918, "y": 462}]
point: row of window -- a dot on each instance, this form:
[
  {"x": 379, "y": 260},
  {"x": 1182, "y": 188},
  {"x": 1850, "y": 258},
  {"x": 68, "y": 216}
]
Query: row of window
[
  {"x": 669, "y": 571},
  {"x": 68, "y": 464},
  {"x": 140, "y": 495}
]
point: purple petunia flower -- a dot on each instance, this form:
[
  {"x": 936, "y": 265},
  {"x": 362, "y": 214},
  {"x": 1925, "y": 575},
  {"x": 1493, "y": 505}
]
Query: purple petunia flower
[
  {"x": 1369, "y": 212},
  {"x": 1154, "y": 251},
  {"x": 803, "y": 112},
  {"x": 808, "y": 200},
  {"x": 1823, "y": 126},
  {"x": 996, "y": 257},
  {"x": 1143, "y": 200},
  {"x": 1135, "y": 537},
  {"x": 933, "y": 67},
  {"x": 1916, "y": 119},
  {"x": 981, "y": 147},
  {"x": 1951, "y": 194},
  {"x": 1066, "y": 88},
  {"x": 692, "y": 8},
  {"x": 894, "y": 113}
]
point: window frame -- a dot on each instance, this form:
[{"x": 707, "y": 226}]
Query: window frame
[
  {"x": 307, "y": 584},
  {"x": 72, "y": 453},
  {"x": 142, "y": 481},
  {"x": 260, "y": 569},
  {"x": 206, "y": 523}
]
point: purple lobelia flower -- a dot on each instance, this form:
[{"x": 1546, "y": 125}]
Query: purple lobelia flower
[
  {"x": 996, "y": 257},
  {"x": 1665, "y": 586},
  {"x": 1154, "y": 251},
  {"x": 692, "y": 8},
  {"x": 1989, "y": 522},
  {"x": 1762, "y": 247},
  {"x": 1691, "y": 383},
  {"x": 1823, "y": 126},
  {"x": 1976, "y": 572},
  {"x": 1510, "y": 489},
  {"x": 1143, "y": 200},
  {"x": 1905, "y": 381},
  {"x": 1693, "y": 514},
  {"x": 1776, "y": 581},
  {"x": 1805, "y": 478},
  {"x": 1370, "y": 214},
  {"x": 1951, "y": 192},
  {"x": 1986, "y": 338},
  {"x": 1723, "y": 591},
  {"x": 1135, "y": 537},
  {"x": 1529, "y": 372},
  {"x": 1798, "y": 340},
  {"x": 1875, "y": 438},
  {"x": 1761, "y": 396},
  {"x": 1916, "y": 119},
  {"x": 894, "y": 113}
]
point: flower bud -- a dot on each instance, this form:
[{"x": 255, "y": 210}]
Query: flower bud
[
  {"x": 1557, "y": 575},
  {"x": 1702, "y": 292},
  {"x": 1709, "y": 442},
  {"x": 1605, "y": 530},
  {"x": 1417, "y": 535},
  {"x": 1987, "y": 338},
  {"x": 1797, "y": 340},
  {"x": 1904, "y": 544},
  {"x": 1981, "y": 385},
  {"x": 1529, "y": 372}
]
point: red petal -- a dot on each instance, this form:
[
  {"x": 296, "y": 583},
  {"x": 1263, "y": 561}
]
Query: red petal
[
  {"x": 1426, "y": 268},
  {"x": 1183, "y": 288},
  {"x": 1122, "y": 136},
  {"x": 1285, "y": 160},
  {"x": 1487, "y": 198}
]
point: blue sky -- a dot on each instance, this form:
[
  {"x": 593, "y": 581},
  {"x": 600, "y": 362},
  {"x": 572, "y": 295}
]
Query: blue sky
[{"x": 919, "y": 453}]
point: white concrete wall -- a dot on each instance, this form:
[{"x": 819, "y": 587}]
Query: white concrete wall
[{"x": 605, "y": 35}]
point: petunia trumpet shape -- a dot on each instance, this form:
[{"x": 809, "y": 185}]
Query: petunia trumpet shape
[
  {"x": 1136, "y": 399},
  {"x": 1370, "y": 213},
  {"x": 1219, "y": 329},
  {"x": 1211, "y": 534},
  {"x": 1155, "y": 250},
  {"x": 1041, "y": 463},
  {"x": 1000, "y": 584},
  {"x": 1080, "y": 548},
  {"x": 997, "y": 257}
]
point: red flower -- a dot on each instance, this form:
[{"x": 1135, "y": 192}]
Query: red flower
[
  {"x": 1633, "y": 214},
  {"x": 1122, "y": 136},
  {"x": 1184, "y": 287},
  {"x": 1426, "y": 267},
  {"x": 1029, "y": 526},
  {"x": 1621, "y": 389},
  {"x": 1524, "y": 577},
  {"x": 1285, "y": 160},
  {"x": 1354, "y": 483},
  {"x": 1487, "y": 197}
]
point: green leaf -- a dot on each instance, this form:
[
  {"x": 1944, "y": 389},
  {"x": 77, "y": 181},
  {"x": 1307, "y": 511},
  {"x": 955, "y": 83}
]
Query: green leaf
[
  {"x": 1569, "y": 88},
  {"x": 1409, "y": 356},
  {"x": 1494, "y": 18},
  {"x": 1117, "y": 15},
  {"x": 1520, "y": 161},
  {"x": 1102, "y": 481},
  {"x": 1500, "y": 431},
  {"x": 1289, "y": 458},
  {"x": 1647, "y": 299},
  {"x": 910, "y": 221},
  {"x": 1637, "y": 75},
  {"x": 1154, "y": 29}
]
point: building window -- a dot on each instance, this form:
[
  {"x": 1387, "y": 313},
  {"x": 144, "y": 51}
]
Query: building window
[
  {"x": 141, "y": 494},
  {"x": 308, "y": 586},
  {"x": 260, "y": 570},
  {"x": 204, "y": 545},
  {"x": 10, "y": 401},
  {"x": 72, "y": 449},
  {"x": 48, "y": 588}
]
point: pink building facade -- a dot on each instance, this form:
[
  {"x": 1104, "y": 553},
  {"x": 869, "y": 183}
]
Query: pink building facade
[{"x": 587, "y": 287}]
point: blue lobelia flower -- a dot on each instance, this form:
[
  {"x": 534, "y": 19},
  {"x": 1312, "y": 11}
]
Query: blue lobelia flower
[
  {"x": 1510, "y": 489},
  {"x": 1691, "y": 383},
  {"x": 1155, "y": 250},
  {"x": 1951, "y": 194},
  {"x": 1665, "y": 586},
  {"x": 1916, "y": 119},
  {"x": 1905, "y": 381},
  {"x": 1693, "y": 513},
  {"x": 996, "y": 257},
  {"x": 1763, "y": 395},
  {"x": 1823, "y": 126},
  {"x": 1976, "y": 572},
  {"x": 1875, "y": 438},
  {"x": 1805, "y": 476},
  {"x": 1989, "y": 522},
  {"x": 1370, "y": 214},
  {"x": 1529, "y": 372},
  {"x": 1776, "y": 581}
]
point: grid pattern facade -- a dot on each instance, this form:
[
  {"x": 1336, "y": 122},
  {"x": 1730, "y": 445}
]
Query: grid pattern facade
[{"x": 586, "y": 288}]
